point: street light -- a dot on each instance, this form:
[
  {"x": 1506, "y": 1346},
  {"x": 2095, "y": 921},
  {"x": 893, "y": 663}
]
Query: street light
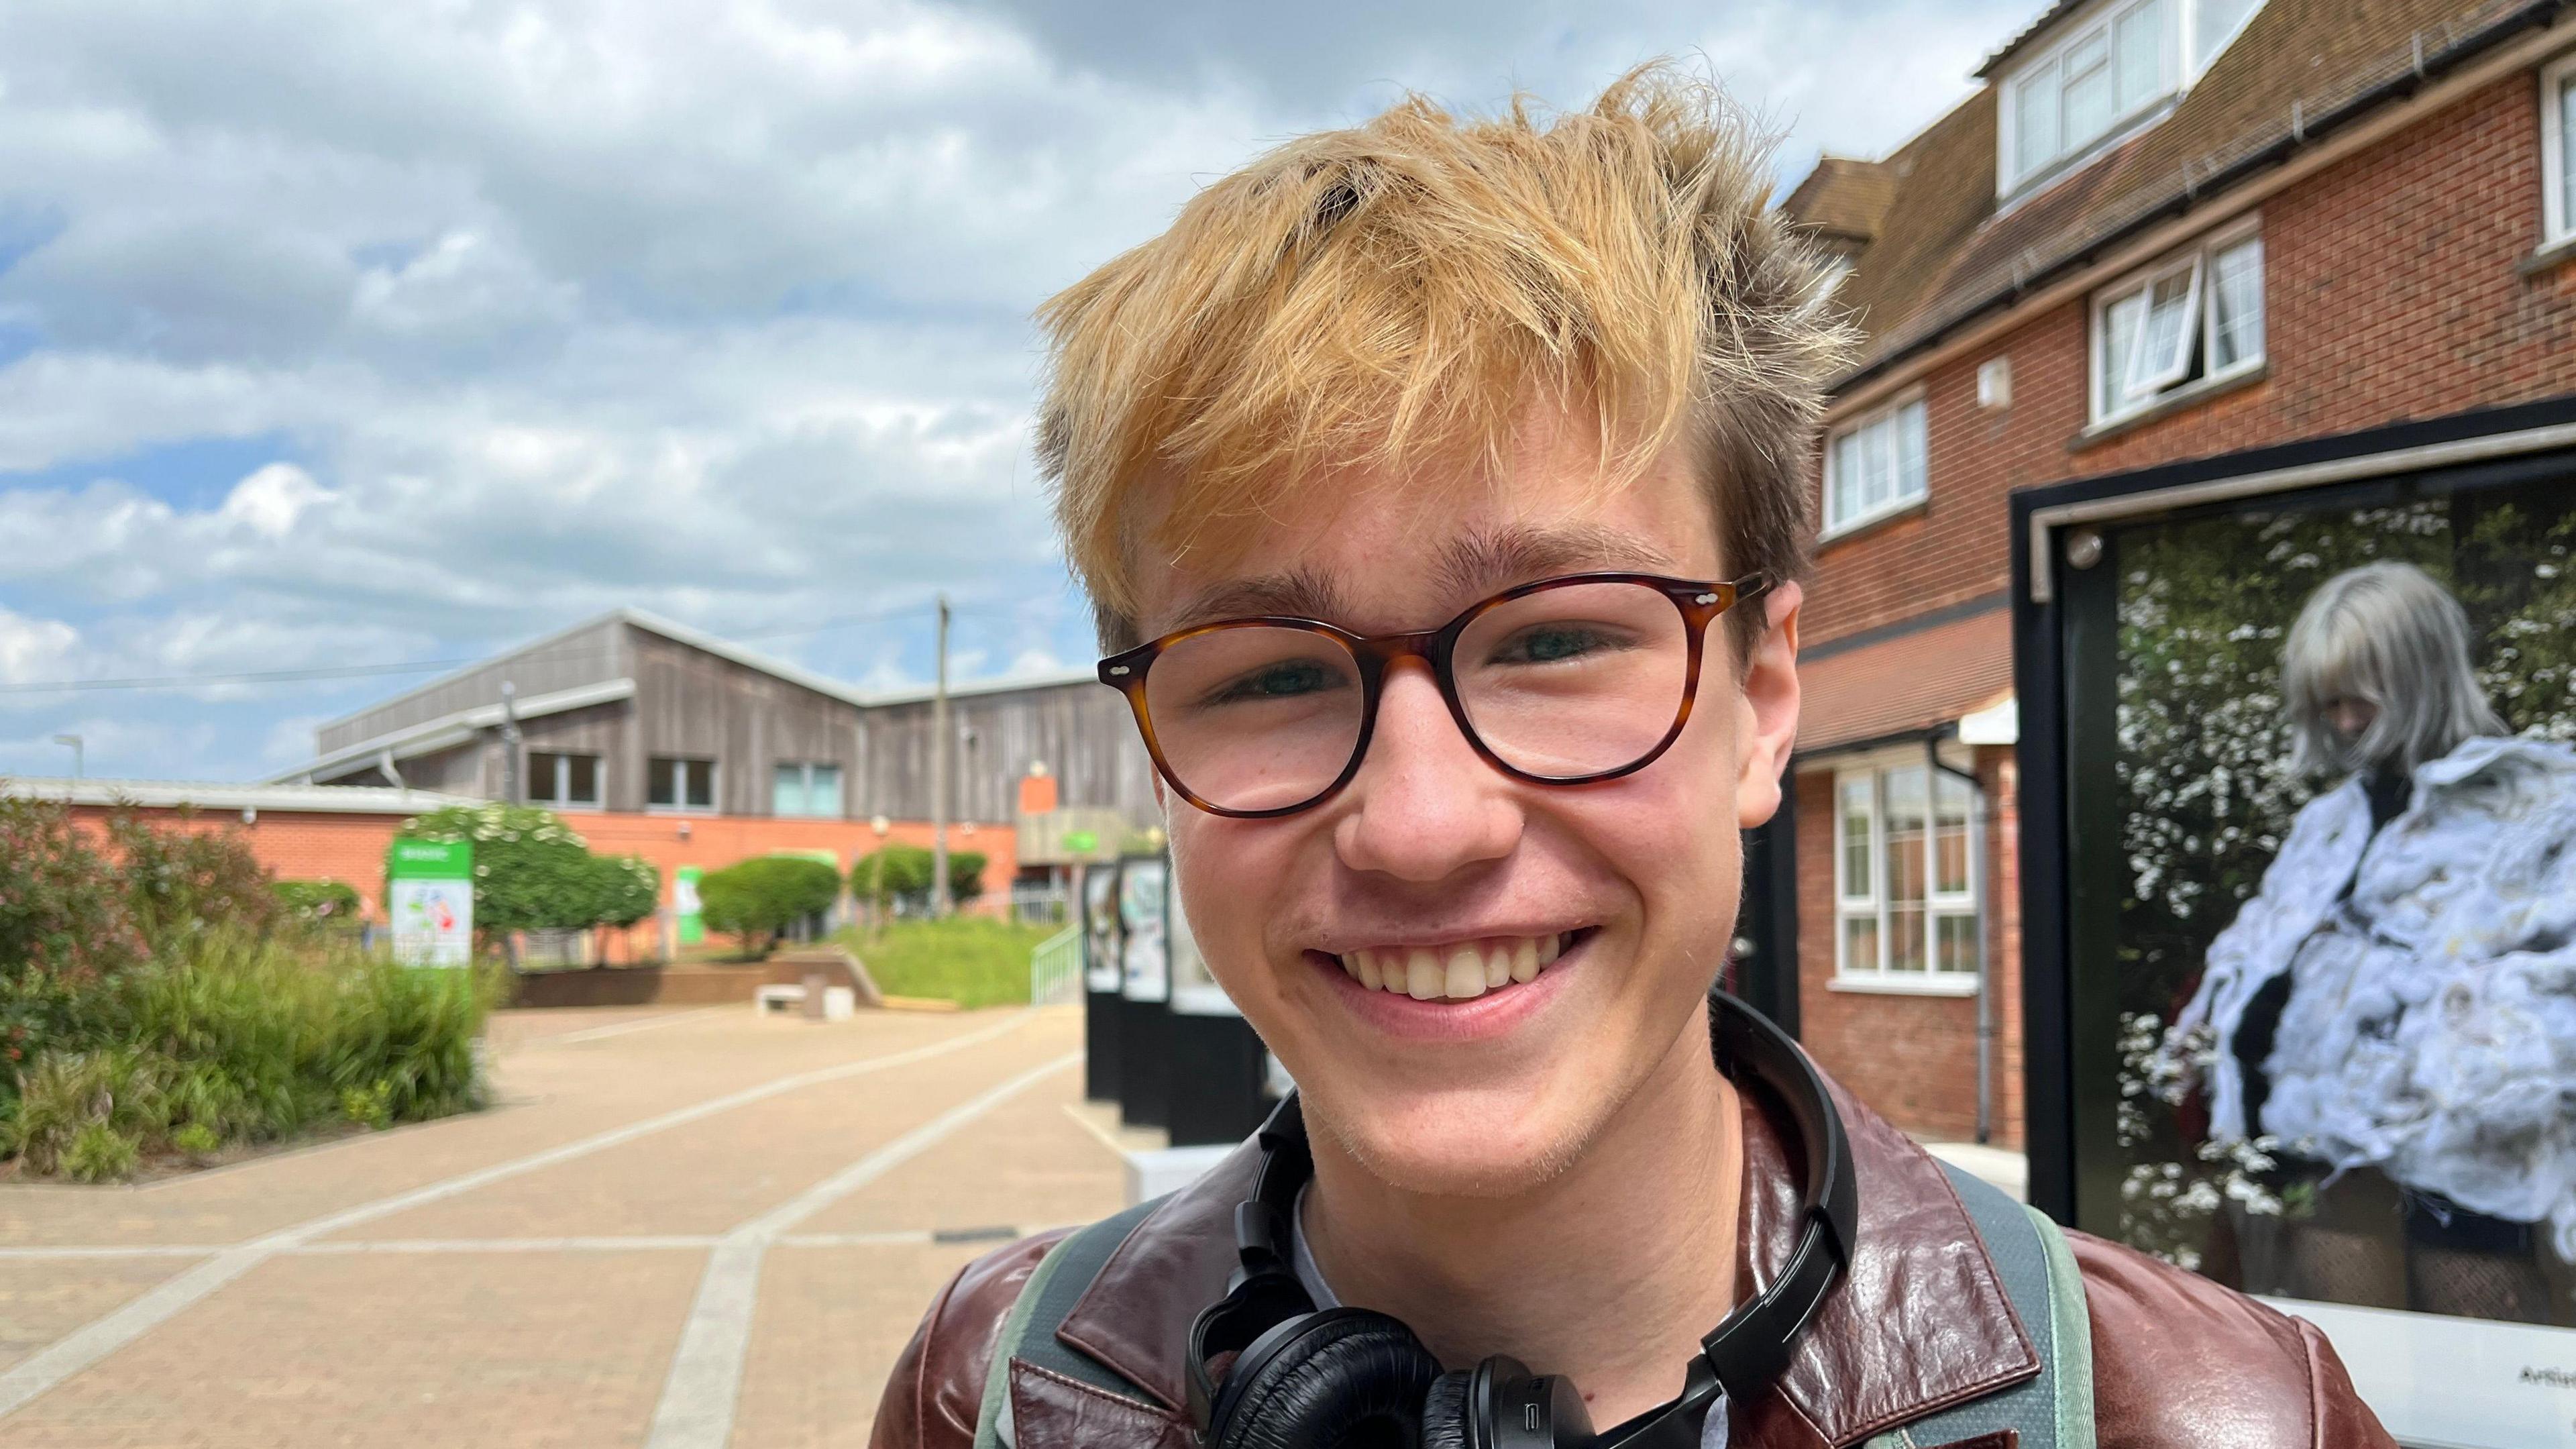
[{"x": 78, "y": 769}]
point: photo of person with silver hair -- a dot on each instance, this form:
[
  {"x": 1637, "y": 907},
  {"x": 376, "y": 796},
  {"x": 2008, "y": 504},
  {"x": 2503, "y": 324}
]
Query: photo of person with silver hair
[{"x": 2391, "y": 1019}]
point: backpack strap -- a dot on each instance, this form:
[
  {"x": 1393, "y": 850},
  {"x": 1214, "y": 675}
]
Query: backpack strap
[
  {"x": 1046, "y": 1300},
  {"x": 2054, "y": 1410}
]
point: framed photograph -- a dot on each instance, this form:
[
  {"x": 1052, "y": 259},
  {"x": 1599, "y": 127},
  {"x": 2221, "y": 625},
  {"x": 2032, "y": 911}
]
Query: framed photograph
[{"x": 2301, "y": 728}]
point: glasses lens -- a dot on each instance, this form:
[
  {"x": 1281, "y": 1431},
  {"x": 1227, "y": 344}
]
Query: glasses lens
[
  {"x": 1255, "y": 717},
  {"x": 1574, "y": 681}
]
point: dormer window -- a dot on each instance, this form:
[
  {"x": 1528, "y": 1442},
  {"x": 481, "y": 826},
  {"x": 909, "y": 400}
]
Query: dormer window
[{"x": 2109, "y": 68}]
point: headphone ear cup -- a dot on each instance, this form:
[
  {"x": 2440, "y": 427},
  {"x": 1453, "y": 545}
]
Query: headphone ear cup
[
  {"x": 1444, "y": 1412},
  {"x": 1348, "y": 1377}
]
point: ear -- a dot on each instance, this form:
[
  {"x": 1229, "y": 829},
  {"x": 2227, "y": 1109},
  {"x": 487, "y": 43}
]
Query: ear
[{"x": 1767, "y": 718}]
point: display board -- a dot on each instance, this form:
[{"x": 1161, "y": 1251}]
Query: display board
[
  {"x": 429, "y": 894},
  {"x": 1145, "y": 955},
  {"x": 2303, "y": 998},
  {"x": 1101, "y": 958}
]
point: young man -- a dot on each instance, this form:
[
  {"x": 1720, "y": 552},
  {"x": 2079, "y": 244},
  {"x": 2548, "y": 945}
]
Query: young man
[{"x": 1439, "y": 489}]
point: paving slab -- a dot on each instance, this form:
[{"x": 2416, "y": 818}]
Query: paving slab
[
  {"x": 1028, "y": 1165},
  {"x": 832, "y": 1322},
  {"x": 41, "y": 1301}
]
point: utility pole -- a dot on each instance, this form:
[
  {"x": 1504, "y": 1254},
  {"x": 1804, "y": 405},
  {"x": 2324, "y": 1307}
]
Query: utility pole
[
  {"x": 940, "y": 747},
  {"x": 509, "y": 742},
  {"x": 79, "y": 767}
]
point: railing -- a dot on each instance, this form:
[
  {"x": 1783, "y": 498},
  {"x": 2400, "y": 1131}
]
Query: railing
[
  {"x": 1055, "y": 968},
  {"x": 1037, "y": 905}
]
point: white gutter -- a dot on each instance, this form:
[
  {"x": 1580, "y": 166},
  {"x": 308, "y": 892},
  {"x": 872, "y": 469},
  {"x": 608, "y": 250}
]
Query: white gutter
[{"x": 430, "y": 736}]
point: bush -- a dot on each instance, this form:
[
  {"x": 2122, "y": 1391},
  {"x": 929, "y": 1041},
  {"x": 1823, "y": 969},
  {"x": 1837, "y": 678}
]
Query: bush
[
  {"x": 624, "y": 889},
  {"x": 63, "y": 909},
  {"x": 893, "y": 873},
  {"x": 532, "y": 873},
  {"x": 100, "y": 1153},
  {"x": 972, "y": 960},
  {"x": 181, "y": 882},
  {"x": 319, "y": 905},
  {"x": 72, "y": 1096},
  {"x": 762, "y": 897}
]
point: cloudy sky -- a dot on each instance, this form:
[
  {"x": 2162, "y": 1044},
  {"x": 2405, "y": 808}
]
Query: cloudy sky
[{"x": 341, "y": 335}]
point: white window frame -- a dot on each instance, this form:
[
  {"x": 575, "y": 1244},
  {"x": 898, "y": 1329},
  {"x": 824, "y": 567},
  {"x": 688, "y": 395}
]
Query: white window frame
[
  {"x": 562, "y": 782},
  {"x": 1938, "y": 904},
  {"x": 839, "y": 806},
  {"x": 1900, "y": 500},
  {"x": 2556, "y": 179},
  {"x": 2150, "y": 384},
  {"x": 715, "y": 787},
  {"x": 2177, "y": 72}
]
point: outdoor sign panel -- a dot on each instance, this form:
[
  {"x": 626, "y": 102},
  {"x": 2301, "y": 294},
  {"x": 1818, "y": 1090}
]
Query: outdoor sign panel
[
  {"x": 1142, "y": 901},
  {"x": 687, "y": 912},
  {"x": 2320, "y": 819},
  {"x": 429, "y": 893},
  {"x": 1101, "y": 963}
]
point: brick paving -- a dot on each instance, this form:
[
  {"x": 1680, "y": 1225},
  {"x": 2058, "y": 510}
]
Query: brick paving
[{"x": 525, "y": 1276}]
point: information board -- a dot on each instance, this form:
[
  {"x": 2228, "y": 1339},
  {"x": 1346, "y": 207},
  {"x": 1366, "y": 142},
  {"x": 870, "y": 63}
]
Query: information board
[{"x": 429, "y": 893}]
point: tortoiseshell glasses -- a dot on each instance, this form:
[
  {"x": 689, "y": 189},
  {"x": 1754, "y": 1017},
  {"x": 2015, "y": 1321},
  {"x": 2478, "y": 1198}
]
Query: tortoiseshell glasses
[{"x": 1566, "y": 681}]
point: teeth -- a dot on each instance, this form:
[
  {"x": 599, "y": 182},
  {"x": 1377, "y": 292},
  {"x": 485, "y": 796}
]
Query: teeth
[{"x": 1460, "y": 972}]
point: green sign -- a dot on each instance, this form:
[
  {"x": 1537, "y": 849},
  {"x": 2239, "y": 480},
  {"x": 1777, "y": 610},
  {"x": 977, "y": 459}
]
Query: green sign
[
  {"x": 429, "y": 893},
  {"x": 1081, "y": 842},
  {"x": 684, "y": 904}
]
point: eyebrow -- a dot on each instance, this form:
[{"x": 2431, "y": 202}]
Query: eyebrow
[
  {"x": 1300, "y": 594},
  {"x": 1469, "y": 568}
]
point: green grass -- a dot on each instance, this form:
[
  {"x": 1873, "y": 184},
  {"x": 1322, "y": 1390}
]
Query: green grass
[{"x": 971, "y": 960}]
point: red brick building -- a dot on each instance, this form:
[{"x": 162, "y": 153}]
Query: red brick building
[{"x": 2162, "y": 230}]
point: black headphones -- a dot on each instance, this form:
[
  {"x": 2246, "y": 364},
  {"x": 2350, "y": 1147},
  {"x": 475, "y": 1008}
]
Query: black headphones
[{"x": 1346, "y": 1376}]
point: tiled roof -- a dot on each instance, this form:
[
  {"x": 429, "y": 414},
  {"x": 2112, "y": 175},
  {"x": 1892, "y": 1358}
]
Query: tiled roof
[
  {"x": 1910, "y": 682},
  {"x": 1843, "y": 197},
  {"x": 1945, "y": 251}
]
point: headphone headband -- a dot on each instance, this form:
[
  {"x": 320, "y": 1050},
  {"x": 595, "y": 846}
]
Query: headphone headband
[{"x": 1738, "y": 1358}]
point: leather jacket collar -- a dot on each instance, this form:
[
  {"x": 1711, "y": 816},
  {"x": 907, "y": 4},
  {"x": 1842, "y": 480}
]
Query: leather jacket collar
[{"x": 1920, "y": 1322}]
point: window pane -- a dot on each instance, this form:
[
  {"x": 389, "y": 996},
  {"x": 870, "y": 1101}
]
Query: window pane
[
  {"x": 541, "y": 779},
  {"x": 661, "y": 785},
  {"x": 1912, "y": 475},
  {"x": 823, "y": 796},
  {"x": 2035, "y": 121},
  {"x": 1845, "y": 502},
  {"x": 2216, "y": 20},
  {"x": 2236, "y": 300},
  {"x": 1957, "y": 944},
  {"x": 2119, "y": 342},
  {"x": 581, "y": 779},
  {"x": 702, "y": 783},
  {"x": 2139, "y": 41},
  {"x": 2567, "y": 150},
  {"x": 1906, "y": 808},
  {"x": 1880, "y": 437},
  {"x": 1857, "y": 813},
  {"x": 787, "y": 790},
  {"x": 1950, "y": 837},
  {"x": 2087, "y": 91},
  {"x": 2163, "y": 355},
  {"x": 1905, "y": 944},
  {"x": 1860, "y": 943}
]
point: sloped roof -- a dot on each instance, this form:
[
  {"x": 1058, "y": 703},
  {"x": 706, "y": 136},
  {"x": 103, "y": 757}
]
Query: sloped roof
[
  {"x": 1843, "y": 197},
  {"x": 1910, "y": 682},
  {"x": 1945, "y": 251}
]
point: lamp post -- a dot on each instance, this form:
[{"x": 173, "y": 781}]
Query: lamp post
[
  {"x": 941, "y": 746},
  {"x": 79, "y": 767}
]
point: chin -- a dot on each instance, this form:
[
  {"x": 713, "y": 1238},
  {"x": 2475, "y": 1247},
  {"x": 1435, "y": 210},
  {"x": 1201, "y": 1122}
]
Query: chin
[{"x": 1473, "y": 1143}]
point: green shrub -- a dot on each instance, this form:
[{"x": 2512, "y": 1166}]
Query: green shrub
[
  {"x": 63, "y": 910},
  {"x": 531, "y": 872},
  {"x": 100, "y": 1153},
  {"x": 196, "y": 1139},
  {"x": 182, "y": 881},
  {"x": 974, "y": 961},
  {"x": 67, "y": 1094},
  {"x": 624, "y": 889},
  {"x": 760, "y": 898},
  {"x": 319, "y": 905},
  {"x": 902, "y": 872},
  {"x": 370, "y": 1106}
]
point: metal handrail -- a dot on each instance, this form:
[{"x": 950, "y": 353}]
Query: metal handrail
[{"x": 1055, "y": 968}]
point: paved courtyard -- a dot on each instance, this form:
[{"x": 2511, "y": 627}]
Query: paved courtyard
[{"x": 676, "y": 1229}]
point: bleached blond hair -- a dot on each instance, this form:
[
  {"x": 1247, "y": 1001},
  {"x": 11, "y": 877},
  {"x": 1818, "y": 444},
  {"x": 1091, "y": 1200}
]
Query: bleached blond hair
[
  {"x": 2385, "y": 633},
  {"x": 1395, "y": 295}
]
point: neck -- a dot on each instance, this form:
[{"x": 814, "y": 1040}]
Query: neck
[{"x": 1616, "y": 1266}]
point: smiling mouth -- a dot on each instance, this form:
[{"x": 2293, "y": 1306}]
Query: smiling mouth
[{"x": 1456, "y": 970}]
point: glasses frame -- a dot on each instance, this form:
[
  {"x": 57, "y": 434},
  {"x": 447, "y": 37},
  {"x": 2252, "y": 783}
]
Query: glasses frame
[{"x": 1699, "y": 601}]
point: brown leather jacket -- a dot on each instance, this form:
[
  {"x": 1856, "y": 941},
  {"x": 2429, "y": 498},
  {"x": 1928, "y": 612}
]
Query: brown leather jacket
[{"x": 1920, "y": 1323}]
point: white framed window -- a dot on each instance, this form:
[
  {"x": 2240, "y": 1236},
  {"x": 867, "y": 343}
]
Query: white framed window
[
  {"x": 672, "y": 783},
  {"x": 812, "y": 790},
  {"x": 1905, "y": 868},
  {"x": 2192, "y": 318},
  {"x": 2557, "y": 160},
  {"x": 1877, "y": 466},
  {"x": 2108, "y": 69},
  {"x": 563, "y": 780}
]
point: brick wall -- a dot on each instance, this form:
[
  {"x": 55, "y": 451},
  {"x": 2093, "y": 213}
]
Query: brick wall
[{"x": 2396, "y": 287}]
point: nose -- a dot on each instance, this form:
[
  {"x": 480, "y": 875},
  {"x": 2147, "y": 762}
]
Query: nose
[{"x": 1424, "y": 805}]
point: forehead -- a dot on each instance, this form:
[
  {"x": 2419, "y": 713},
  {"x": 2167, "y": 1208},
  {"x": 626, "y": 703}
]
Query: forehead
[{"x": 1377, "y": 549}]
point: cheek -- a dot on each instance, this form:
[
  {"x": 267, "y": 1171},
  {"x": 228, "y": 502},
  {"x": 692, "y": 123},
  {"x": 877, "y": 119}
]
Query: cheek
[{"x": 1236, "y": 879}]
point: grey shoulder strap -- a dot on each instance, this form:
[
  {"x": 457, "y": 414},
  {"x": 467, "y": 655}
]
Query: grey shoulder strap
[
  {"x": 2054, "y": 1410},
  {"x": 1046, "y": 1300}
]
